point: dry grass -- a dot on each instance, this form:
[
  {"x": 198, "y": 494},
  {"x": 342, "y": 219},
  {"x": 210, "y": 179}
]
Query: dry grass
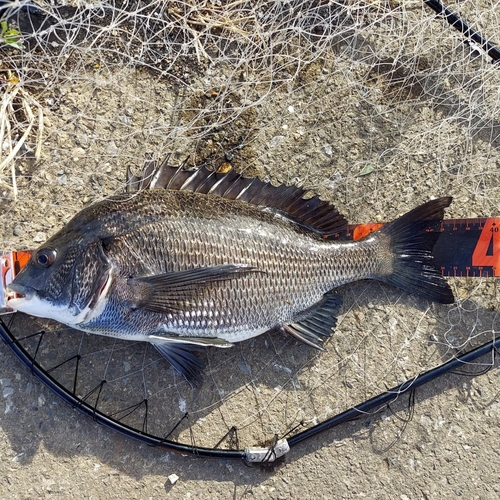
[{"x": 21, "y": 116}]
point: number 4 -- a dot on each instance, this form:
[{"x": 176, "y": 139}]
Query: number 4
[{"x": 487, "y": 251}]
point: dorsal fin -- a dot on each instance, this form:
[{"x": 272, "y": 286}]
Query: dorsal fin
[{"x": 315, "y": 214}]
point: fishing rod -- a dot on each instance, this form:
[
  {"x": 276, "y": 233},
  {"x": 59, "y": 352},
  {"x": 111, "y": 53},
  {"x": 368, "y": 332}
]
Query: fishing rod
[{"x": 474, "y": 38}]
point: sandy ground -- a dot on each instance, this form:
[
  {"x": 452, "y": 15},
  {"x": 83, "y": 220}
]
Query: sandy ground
[{"x": 374, "y": 142}]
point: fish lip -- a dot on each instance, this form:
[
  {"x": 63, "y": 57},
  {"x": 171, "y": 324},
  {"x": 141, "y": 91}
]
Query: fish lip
[{"x": 26, "y": 292}]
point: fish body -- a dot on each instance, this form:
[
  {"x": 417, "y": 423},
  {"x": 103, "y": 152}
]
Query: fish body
[{"x": 215, "y": 259}]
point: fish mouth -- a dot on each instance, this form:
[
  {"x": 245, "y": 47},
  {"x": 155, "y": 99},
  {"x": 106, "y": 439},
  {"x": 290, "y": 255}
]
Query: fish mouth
[
  {"x": 22, "y": 291},
  {"x": 19, "y": 297}
]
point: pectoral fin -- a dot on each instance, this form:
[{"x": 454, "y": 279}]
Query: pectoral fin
[{"x": 174, "y": 292}]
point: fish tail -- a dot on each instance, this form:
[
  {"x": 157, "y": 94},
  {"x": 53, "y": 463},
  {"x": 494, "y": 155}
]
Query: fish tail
[{"x": 411, "y": 262}]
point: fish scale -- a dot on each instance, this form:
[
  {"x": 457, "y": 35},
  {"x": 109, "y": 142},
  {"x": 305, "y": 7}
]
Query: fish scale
[
  {"x": 181, "y": 268},
  {"x": 289, "y": 272},
  {"x": 298, "y": 274}
]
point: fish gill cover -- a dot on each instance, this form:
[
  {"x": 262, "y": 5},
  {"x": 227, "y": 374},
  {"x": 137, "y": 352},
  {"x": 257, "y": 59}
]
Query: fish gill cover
[{"x": 377, "y": 106}]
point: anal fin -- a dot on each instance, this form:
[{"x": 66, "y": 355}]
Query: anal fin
[{"x": 316, "y": 326}]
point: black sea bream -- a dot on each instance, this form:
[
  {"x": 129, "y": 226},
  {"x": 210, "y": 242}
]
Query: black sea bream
[{"x": 199, "y": 258}]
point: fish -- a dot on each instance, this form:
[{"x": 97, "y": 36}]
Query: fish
[{"x": 187, "y": 259}]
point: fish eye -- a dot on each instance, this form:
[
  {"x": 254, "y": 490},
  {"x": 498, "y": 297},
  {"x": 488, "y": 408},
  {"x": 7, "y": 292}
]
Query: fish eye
[{"x": 44, "y": 257}]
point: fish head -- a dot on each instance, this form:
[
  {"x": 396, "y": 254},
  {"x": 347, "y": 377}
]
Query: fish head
[{"x": 66, "y": 279}]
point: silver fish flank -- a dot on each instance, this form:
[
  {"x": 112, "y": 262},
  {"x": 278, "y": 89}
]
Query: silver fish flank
[{"x": 190, "y": 259}]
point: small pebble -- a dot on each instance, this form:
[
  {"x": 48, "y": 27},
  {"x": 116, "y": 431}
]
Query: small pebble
[
  {"x": 77, "y": 153},
  {"x": 40, "y": 237},
  {"x": 82, "y": 139},
  {"x": 327, "y": 150},
  {"x": 112, "y": 148},
  {"x": 224, "y": 168},
  {"x": 8, "y": 391},
  {"x": 173, "y": 478},
  {"x": 276, "y": 140},
  {"x": 18, "y": 230}
]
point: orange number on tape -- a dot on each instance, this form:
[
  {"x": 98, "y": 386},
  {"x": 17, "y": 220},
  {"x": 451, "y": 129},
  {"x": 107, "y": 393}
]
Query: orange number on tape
[{"x": 487, "y": 251}]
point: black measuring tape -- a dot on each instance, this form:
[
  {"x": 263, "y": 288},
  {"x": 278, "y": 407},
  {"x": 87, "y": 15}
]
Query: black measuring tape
[{"x": 466, "y": 248}]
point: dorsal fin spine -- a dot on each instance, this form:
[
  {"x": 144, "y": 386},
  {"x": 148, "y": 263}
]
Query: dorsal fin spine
[
  {"x": 313, "y": 214},
  {"x": 188, "y": 181},
  {"x": 215, "y": 186},
  {"x": 245, "y": 189}
]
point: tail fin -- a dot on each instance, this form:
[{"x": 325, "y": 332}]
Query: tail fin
[{"x": 413, "y": 268}]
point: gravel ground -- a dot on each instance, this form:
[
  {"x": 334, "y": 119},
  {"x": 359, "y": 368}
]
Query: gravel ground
[{"x": 373, "y": 136}]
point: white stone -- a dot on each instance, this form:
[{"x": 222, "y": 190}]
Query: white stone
[{"x": 173, "y": 478}]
